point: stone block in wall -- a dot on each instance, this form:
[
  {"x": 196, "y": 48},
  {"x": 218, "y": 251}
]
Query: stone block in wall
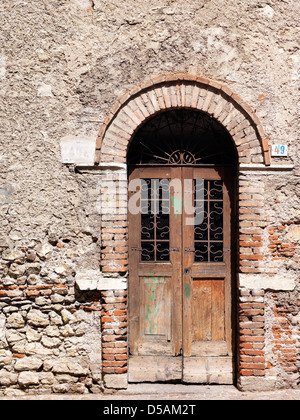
[
  {"x": 250, "y": 384},
  {"x": 28, "y": 378},
  {"x": 116, "y": 381},
  {"x": 93, "y": 280},
  {"x": 294, "y": 234},
  {"x": 74, "y": 367},
  {"x": 263, "y": 282},
  {"x": 7, "y": 378},
  {"x": 78, "y": 150},
  {"x": 28, "y": 363}
]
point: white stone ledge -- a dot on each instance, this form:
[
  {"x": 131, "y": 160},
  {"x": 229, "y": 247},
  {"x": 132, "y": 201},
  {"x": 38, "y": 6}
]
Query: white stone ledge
[
  {"x": 93, "y": 280},
  {"x": 111, "y": 166},
  {"x": 244, "y": 167},
  {"x": 108, "y": 165},
  {"x": 263, "y": 282}
]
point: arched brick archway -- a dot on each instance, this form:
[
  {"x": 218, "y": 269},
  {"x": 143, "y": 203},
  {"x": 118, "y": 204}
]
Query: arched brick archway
[
  {"x": 182, "y": 91},
  {"x": 121, "y": 124}
]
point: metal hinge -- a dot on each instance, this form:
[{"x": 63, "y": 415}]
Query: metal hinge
[
  {"x": 175, "y": 249},
  {"x": 189, "y": 249}
]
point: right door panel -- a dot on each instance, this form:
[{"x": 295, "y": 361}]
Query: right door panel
[{"x": 206, "y": 259}]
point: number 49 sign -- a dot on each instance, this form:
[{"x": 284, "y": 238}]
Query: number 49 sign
[{"x": 279, "y": 150}]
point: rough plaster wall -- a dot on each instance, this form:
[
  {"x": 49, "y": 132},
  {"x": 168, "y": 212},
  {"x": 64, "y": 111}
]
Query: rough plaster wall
[{"x": 63, "y": 64}]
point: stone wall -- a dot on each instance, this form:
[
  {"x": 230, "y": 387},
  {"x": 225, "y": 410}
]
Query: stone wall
[
  {"x": 269, "y": 282},
  {"x": 63, "y": 66}
]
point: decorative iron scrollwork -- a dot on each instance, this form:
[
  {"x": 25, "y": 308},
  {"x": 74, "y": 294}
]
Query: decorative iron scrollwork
[
  {"x": 182, "y": 157},
  {"x": 209, "y": 234},
  {"x": 182, "y": 137},
  {"x": 155, "y": 220}
]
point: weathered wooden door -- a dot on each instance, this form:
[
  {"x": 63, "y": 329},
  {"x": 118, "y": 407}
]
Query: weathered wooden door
[{"x": 180, "y": 297}]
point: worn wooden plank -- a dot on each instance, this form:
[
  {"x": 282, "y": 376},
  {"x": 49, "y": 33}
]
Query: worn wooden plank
[
  {"x": 154, "y": 369},
  {"x": 161, "y": 269},
  {"x": 134, "y": 227},
  {"x": 229, "y": 192},
  {"x": 155, "y": 306},
  {"x": 202, "y": 310},
  {"x": 176, "y": 261},
  {"x": 208, "y": 270},
  {"x": 208, "y": 370},
  {"x": 155, "y": 316},
  {"x": 218, "y": 310},
  {"x": 210, "y": 348},
  {"x": 187, "y": 263}
]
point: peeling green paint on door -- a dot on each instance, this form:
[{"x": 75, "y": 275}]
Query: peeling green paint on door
[
  {"x": 151, "y": 314},
  {"x": 187, "y": 290}
]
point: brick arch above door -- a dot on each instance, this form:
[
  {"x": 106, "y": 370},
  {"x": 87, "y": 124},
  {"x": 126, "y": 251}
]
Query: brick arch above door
[{"x": 182, "y": 91}]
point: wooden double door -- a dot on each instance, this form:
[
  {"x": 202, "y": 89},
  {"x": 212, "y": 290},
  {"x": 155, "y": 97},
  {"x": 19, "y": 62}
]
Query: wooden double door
[{"x": 180, "y": 275}]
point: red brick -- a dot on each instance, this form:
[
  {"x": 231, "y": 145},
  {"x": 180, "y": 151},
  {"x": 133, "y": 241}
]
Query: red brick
[
  {"x": 254, "y": 366},
  {"x": 251, "y": 339},
  {"x": 108, "y": 370},
  {"x": 121, "y": 345},
  {"x": 122, "y": 357},
  {"x": 33, "y": 293},
  {"x": 246, "y": 345},
  {"x": 108, "y": 357},
  {"x": 121, "y": 370},
  {"x": 251, "y": 244},
  {"x": 244, "y": 372},
  {"x": 114, "y": 351},
  {"x": 251, "y": 257},
  {"x": 250, "y": 270},
  {"x": 253, "y": 352},
  {"x": 259, "y": 372},
  {"x": 120, "y": 313},
  {"x": 114, "y": 363},
  {"x": 108, "y": 338}
]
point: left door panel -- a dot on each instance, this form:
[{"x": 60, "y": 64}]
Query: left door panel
[{"x": 155, "y": 314}]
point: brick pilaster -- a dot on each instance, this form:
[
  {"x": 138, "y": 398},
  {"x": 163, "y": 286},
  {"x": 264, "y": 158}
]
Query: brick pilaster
[
  {"x": 114, "y": 331},
  {"x": 252, "y": 333}
]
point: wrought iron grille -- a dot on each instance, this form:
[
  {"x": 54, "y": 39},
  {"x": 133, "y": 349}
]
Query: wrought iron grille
[
  {"x": 182, "y": 137},
  {"x": 208, "y": 236},
  {"x": 208, "y": 217},
  {"x": 155, "y": 220}
]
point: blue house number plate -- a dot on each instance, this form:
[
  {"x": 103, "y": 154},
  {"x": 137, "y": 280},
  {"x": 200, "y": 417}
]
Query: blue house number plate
[{"x": 279, "y": 150}]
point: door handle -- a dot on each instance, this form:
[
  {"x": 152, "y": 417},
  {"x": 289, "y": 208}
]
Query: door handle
[{"x": 186, "y": 271}]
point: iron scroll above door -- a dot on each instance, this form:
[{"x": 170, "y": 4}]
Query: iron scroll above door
[{"x": 182, "y": 137}]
